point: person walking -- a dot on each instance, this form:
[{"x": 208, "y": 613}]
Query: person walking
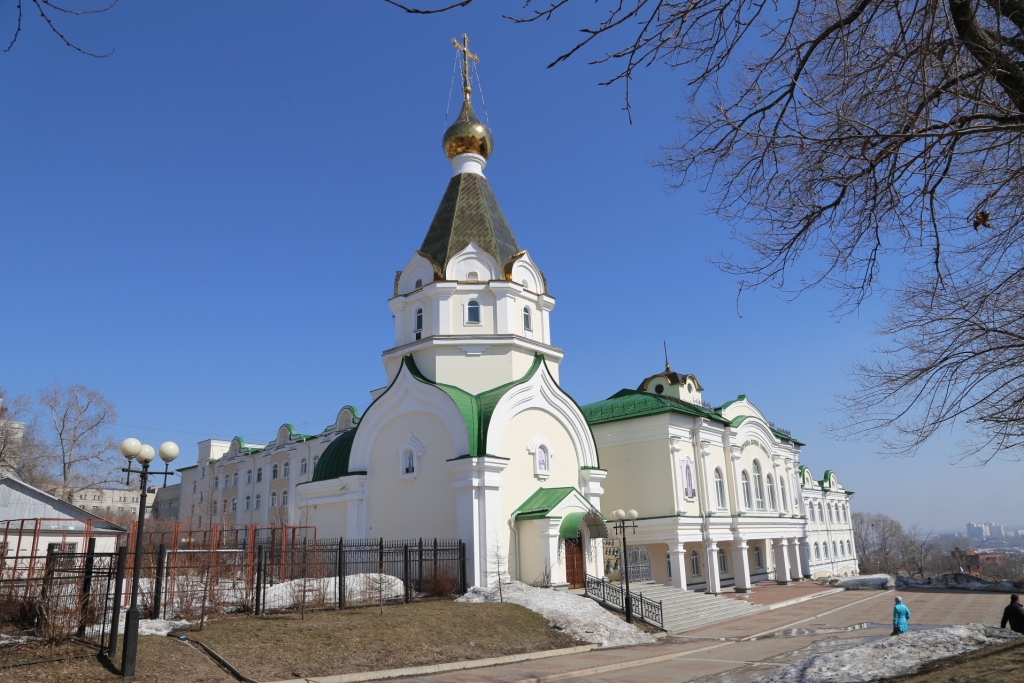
[
  {"x": 1014, "y": 614},
  {"x": 900, "y": 617}
]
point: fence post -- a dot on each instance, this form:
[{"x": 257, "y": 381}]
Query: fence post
[
  {"x": 122, "y": 558},
  {"x": 419, "y": 566},
  {"x": 462, "y": 567},
  {"x": 341, "y": 573},
  {"x": 258, "y": 588},
  {"x": 83, "y": 607},
  {"x": 380, "y": 559},
  {"x": 158, "y": 588},
  {"x": 405, "y": 573}
]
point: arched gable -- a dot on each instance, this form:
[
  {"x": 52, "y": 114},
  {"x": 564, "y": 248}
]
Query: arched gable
[
  {"x": 472, "y": 258},
  {"x": 541, "y": 392},
  {"x": 405, "y": 395}
]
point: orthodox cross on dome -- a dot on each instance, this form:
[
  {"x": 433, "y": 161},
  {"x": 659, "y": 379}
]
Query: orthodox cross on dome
[{"x": 463, "y": 47}]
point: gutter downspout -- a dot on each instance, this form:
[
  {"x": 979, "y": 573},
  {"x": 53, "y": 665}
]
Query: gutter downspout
[{"x": 512, "y": 526}]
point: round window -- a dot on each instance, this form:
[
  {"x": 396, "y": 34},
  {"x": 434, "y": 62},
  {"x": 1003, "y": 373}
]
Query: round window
[{"x": 659, "y": 389}]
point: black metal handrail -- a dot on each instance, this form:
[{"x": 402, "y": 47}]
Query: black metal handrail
[{"x": 612, "y": 595}]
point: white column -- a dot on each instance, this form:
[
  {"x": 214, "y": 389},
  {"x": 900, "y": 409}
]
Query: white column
[
  {"x": 805, "y": 557},
  {"x": 795, "y": 573},
  {"x": 550, "y": 558},
  {"x": 478, "y": 511},
  {"x": 782, "y": 577},
  {"x": 677, "y": 560},
  {"x": 741, "y": 566},
  {"x": 714, "y": 575},
  {"x": 734, "y": 457}
]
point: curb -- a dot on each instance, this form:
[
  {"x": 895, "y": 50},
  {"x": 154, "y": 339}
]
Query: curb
[
  {"x": 438, "y": 668},
  {"x": 220, "y": 660}
]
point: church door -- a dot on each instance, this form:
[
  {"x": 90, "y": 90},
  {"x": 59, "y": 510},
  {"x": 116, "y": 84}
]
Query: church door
[{"x": 574, "y": 567}]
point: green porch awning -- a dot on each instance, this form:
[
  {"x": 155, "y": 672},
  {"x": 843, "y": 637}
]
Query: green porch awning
[{"x": 572, "y": 524}]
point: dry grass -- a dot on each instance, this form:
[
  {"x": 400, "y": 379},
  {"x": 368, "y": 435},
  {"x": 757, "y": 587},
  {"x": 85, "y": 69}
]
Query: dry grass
[
  {"x": 995, "y": 664},
  {"x": 330, "y": 642},
  {"x": 161, "y": 660}
]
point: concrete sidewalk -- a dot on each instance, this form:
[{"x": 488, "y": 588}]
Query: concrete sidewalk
[{"x": 745, "y": 649}]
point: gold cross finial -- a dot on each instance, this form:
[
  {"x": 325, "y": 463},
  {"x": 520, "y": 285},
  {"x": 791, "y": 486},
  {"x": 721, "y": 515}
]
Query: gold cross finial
[{"x": 463, "y": 47}]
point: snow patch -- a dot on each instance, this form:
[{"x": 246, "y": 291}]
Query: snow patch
[
  {"x": 961, "y": 581},
  {"x": 868, "y": 582},
  {"x": 358, "y": 588},
  {"x": 147, "y": 627},
  {"x": 893, "y": 656},
  {"x": 580, "y": 617}
]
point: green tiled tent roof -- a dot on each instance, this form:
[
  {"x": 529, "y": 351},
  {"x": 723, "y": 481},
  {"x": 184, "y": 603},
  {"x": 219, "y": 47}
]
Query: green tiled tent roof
[
  {"x": 628, "y": 404},
  {"x": 469, "y": 213}
]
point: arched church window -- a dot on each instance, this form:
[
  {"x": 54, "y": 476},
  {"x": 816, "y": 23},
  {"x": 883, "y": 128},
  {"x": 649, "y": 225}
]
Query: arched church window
[
  {"x": 259, "y": 474},
  {"x": 409, "y": 462},
  {"x": 316, "y": 459},
  {"x": 758, "y": 486},
  {"x": 817, "y": 552},
  {"x": 273, "y": 499},
  {"x": 473, "y": 312},
  {"x": 419, "y": 283},
  {"x": 302, "y": 466},
  {"x": 694, "y": 563},
  {"x": 273, "y": 471},
  {"x": 782, "y": 495},
  {"x": 810, "y": 512},
  {"x": 258, "y": 500},
  {"x": 849, "y": 549},
  {"x": 418, "y": 327},
  {"x": 284, "y": 498},
  {"x": 543, "y": 459},
  {"x": 234, "y": 480},
  {"x": 216, "y": 483},
  {"x": 248, "y": 502},
  {"x": 285, "y": 469},
  {"x": 834, "y": 553},
  {"x": 690, "y": 490},
  {"x": 224, "y": 507},
  {"x": 234, "y": 505},
  {"x": 821, "y": 514},
  {"x": 745, "y": 478},
  {"x": 722, "y": 569},
  {"x": 248, "y": 477},
  {"x": 830, "y": 518},
  {"x": 771, "y": 491},
  {"x": 845, "y": 519},
  {"x": 214, "y": 507},
  {"x": 758, "y": 558},
  {"x": 527, "y": 319},
  {"x": 720, "y": 488}
]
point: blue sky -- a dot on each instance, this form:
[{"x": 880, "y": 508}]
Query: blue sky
[{"x": 205, "y": 227}]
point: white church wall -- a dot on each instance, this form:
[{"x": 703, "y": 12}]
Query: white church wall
[
  {"x": 637, "y": 456},
  {"x": 416, "y": 506}
]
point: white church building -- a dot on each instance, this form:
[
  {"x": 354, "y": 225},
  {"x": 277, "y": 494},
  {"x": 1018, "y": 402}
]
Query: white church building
[{"x": 474, "y": 438}]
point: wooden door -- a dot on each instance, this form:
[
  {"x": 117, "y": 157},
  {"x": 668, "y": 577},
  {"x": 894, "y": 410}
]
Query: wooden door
[{"x": 574, "y": 567}]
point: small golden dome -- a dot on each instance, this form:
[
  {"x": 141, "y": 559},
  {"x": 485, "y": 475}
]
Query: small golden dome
[{"x": 467, "y": 134}]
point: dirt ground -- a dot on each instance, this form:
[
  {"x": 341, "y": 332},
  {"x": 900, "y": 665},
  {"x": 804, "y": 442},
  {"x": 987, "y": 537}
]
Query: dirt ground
[
  {"x": 989, "y": 665},
  {"x": 161, "y": 660},
  {"x": 332, "y": 642}
]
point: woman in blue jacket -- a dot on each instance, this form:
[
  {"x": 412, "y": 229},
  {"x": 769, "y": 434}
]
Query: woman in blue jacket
[{"x": 900, "y": 617}]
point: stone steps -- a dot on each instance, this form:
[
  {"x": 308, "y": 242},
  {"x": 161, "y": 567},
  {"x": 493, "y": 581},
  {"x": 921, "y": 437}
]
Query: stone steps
[{"x": 689, "y": 610}]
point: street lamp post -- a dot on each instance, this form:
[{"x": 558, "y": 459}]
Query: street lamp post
[
  {"x": 620, "y": 520},
  {"x": 143, "y": 454}
]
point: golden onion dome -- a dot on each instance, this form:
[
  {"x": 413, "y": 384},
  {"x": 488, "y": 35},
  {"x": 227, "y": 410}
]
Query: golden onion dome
[{"x": 467, "y": 134}]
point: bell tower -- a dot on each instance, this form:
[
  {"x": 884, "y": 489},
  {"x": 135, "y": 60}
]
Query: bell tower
[{"x": 470, "y": 306}]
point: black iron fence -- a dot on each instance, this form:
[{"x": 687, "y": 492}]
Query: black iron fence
[
  {"x": 613, "y": 595},
  {"x": 327, "y": 573},
  {"x": 57, "y": 605}
]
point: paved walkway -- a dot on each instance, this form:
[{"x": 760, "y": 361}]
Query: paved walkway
[
  {"x": 744, "y": 649},
  {"x": 769, "y": 592}
]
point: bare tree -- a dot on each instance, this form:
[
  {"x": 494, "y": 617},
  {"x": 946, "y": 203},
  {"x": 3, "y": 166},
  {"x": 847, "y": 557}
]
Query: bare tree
[
  {"x": 838, "y": 136},
  {"x": 12, "y": 430},
  {"x": 880, "y": 541},
  {"x": 83, "y": 452},
  {"x": 497, "y": 564},
  {"x": 47, "y": 11},
  {"x": 916, "y": 548}
]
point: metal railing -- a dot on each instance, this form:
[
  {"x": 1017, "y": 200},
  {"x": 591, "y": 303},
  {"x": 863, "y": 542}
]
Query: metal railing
[{"x": 614, "y": 596}]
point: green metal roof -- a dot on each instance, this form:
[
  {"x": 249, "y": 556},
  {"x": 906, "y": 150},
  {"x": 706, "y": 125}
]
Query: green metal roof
[
  {"x": 469, "y": 213},
  {"x": 476, "y": 412},
  {"x": 628, "y": 404},
  {"x": 333, "y": 462},
  {"x": 542, "y": 502},
  {"x": 476, "y": 409}
]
